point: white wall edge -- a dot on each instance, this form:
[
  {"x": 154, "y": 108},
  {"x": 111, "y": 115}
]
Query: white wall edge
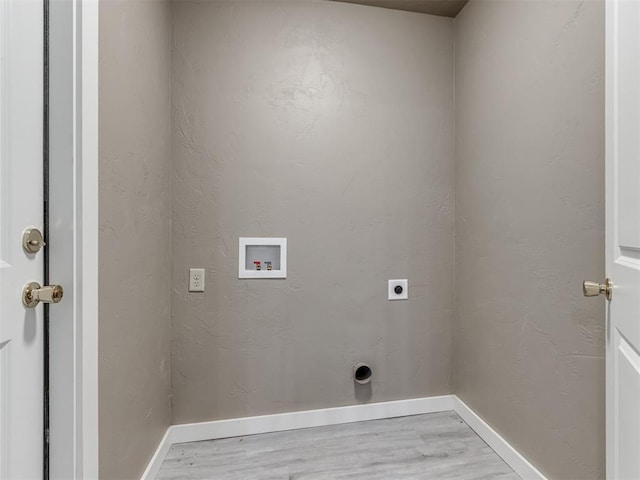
[
  {"x": 194, "y": 432},
  {"x": 510, "y": 455}
]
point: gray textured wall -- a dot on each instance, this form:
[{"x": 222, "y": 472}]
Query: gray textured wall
[
  {"x": 530, "y": 227},
  {"x": 135, "y": 246},
  {"x": 330, "y": 124}
]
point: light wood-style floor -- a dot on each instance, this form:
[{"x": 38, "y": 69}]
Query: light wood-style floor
[{"x": 433, "y": 446}]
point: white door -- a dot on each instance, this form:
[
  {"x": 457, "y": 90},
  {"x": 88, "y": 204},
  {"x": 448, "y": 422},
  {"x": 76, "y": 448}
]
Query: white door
[
  {"x": 21, "y": 205},
  {"x": 623, "y": 238}
]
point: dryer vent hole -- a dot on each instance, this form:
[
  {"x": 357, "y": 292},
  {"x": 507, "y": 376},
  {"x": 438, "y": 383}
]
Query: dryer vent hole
[{"x": 363, "y": 374}]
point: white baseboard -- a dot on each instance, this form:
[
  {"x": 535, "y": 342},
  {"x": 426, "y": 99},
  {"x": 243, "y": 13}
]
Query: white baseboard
[
  {"x": 193, "y": 432},
  {"x": 510, "y": 455},
  {"x": 155, "y": 463}
]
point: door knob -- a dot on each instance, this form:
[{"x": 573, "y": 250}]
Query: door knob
[
  {"x": 33, "y": 294},
  {"x": 593, "y": 289}
]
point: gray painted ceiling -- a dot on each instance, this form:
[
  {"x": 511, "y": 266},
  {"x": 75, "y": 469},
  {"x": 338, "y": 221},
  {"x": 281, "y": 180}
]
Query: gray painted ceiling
[{"x": 444, "y": 8}]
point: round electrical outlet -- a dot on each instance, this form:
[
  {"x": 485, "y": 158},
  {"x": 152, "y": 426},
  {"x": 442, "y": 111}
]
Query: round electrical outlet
[{"x": 398, "y": 289}]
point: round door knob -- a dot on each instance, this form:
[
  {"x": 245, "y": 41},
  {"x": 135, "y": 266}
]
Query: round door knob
[
  {"x": 33, "y": 294},
  {"x": 593, "y": 289}
]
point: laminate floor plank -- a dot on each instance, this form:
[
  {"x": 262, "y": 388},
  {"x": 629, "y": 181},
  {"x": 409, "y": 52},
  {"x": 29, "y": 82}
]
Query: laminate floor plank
[{"x": 420, "y": 447}]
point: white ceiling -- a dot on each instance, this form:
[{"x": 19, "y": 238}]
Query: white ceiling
[{"x": 444, "y": 8}]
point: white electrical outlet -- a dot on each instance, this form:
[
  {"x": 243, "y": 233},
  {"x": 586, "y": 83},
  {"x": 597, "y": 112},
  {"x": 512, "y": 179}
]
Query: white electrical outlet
[
  {"x": 196, "y": 279},
  {"x": 399, "y": 289}
]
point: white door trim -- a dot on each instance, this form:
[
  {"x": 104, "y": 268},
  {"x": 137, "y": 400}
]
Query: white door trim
[
  {"x": 85, "y": 214},
  {"x": 74, "y": 220},
  {"x": 611, "y": 48},
  {"x": 63, "y": 408},
  {"x": 87, "y": 238}
]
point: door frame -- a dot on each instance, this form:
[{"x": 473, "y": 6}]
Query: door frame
[
  {"x": 610, "y": 131},
  {"x": 88, "y": 237},
  {"x": 74, "y": 414}
]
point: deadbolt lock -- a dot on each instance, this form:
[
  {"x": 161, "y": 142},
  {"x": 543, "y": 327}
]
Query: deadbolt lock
[
  {"x": 593, "y": 289},
  {"x": 33, "y": 294},
  {"x": 32, "y": 240}
]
